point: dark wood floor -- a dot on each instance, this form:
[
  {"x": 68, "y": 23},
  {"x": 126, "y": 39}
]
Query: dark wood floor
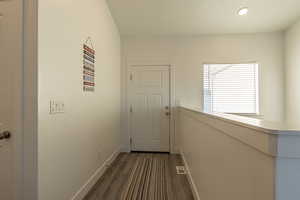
[{"x": 117, "y": 181}]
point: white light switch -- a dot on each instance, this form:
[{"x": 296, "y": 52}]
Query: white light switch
[{"x": 57, "y": 107}]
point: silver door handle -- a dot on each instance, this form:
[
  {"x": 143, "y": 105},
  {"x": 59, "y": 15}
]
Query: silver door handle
[{"x": 5, "y": 135}]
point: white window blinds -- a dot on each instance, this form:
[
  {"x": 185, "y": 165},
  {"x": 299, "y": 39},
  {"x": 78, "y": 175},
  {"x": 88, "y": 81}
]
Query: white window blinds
[{"x": 231, "y": 88}]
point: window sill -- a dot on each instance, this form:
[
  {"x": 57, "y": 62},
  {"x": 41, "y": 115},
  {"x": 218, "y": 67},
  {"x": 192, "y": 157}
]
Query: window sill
[{"x": 252, "y": 115}]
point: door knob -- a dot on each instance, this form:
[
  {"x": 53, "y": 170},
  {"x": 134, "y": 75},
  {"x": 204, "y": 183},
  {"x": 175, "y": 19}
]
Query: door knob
[
  {"x": 167, "y": 113},
  {"x": 5, "y": 135}
]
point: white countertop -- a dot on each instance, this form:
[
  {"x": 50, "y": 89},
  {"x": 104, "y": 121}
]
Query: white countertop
[{"x": 258, "y": 124}]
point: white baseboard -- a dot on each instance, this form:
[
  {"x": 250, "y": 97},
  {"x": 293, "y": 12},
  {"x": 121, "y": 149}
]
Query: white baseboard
[
  {"x": 83, "y": 191},
  {"x": 190, "y": 178}
]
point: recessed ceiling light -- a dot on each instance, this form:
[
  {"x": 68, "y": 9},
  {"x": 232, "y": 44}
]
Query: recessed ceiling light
[{"x": 243, "y": 11}]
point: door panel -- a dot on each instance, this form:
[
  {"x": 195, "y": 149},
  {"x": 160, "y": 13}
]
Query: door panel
[
  {"x": 10, "y": 70},
  {"x": 156, "y": 103},
  {"x": 149, "y": 98}
]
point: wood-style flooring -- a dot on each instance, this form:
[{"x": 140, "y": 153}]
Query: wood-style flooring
[{"x": 142, "y": 176}]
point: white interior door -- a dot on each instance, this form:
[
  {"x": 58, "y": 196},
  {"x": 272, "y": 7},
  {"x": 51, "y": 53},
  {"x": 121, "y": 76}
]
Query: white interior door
[
  {"x": 149, "y": 97},
  {"x": 6, "y": 153},
  {"x": 10, "y": 95}
]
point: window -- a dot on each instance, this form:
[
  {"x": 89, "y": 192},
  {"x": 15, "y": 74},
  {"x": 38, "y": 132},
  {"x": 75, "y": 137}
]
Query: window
[{"x": 231, "y": 88}]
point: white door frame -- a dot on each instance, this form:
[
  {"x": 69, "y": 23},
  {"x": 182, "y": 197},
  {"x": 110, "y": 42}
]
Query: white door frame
[
  {"x": 29, "y": 186},
  {"x": 172, "y": 101}
]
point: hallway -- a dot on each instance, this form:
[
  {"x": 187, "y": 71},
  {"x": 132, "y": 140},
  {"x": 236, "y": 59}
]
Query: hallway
[
  {"x": 149, "y": 100},
  {"x": 142, "y": 176}
]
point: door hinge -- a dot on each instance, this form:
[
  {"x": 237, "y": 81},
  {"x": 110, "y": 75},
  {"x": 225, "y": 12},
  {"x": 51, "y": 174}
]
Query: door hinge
[
  {"x": 130, "y": 140},
  {"x": 131, "y": 77}
]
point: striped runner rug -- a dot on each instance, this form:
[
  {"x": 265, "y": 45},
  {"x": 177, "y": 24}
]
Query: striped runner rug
[{"x": 148, "y": 180}]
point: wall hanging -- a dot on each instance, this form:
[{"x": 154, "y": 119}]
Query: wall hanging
[{"x": 88, "y": 66}]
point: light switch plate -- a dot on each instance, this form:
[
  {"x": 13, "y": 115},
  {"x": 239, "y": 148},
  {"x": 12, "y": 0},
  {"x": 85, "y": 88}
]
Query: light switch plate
[{"x": 57, "y": 107}]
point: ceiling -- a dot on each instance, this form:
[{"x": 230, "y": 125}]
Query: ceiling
[{"x": 194, "y": 17}]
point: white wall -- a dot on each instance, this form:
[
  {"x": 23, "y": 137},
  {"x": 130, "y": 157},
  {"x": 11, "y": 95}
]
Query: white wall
[
  {"x": 227, "y": 161},
  {"x": 187, "y": 55},
  {"x": 71, "y": 146},
  {"x": 292, "y": 67}
]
